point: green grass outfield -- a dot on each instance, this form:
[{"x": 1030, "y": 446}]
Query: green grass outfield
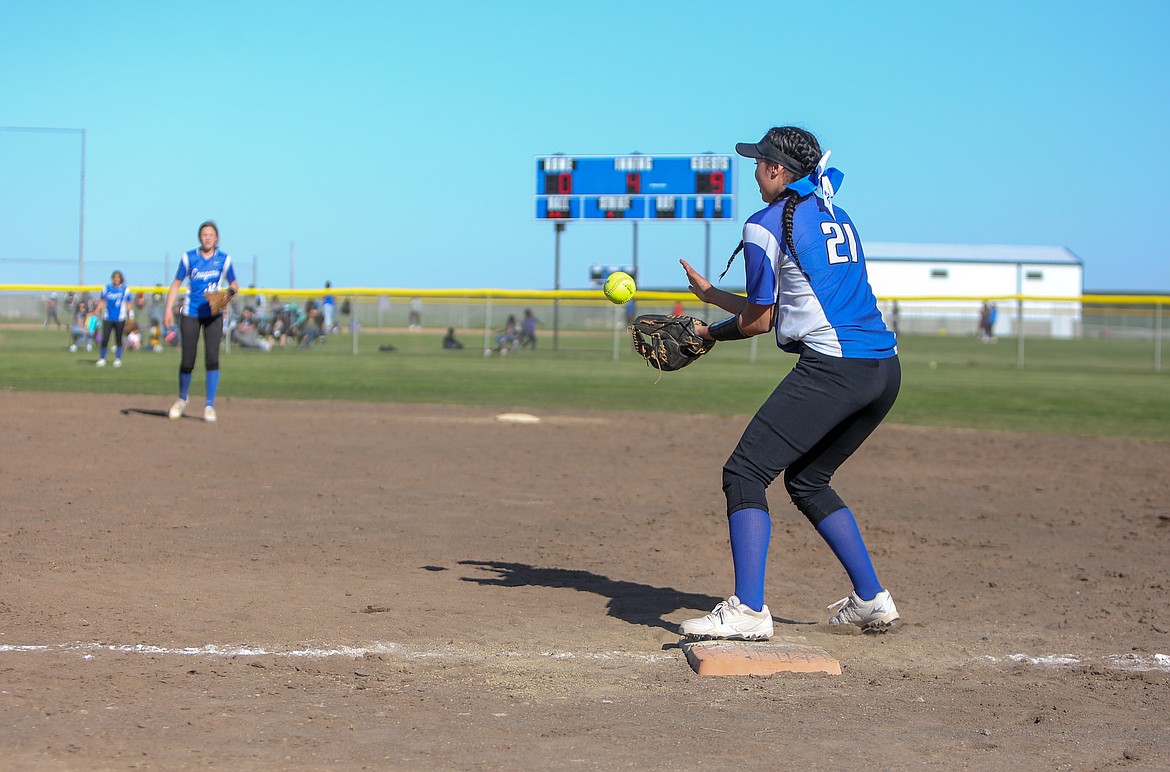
[{"x": 1078, "y": 387}]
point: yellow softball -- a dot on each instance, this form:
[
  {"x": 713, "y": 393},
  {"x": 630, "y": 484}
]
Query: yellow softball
[{"x": 619, "y": 287}]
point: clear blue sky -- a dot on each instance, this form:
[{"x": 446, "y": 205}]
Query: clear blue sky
[{"x": 394, "y": 142}]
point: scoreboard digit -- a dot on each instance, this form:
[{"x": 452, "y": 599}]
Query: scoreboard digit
[{"x": 635, "y": 187}]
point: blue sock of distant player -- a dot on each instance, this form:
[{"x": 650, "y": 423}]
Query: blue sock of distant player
[
  {"x": 751, "y": 529},
  {"x": 184, "y": 384},
  {"x": 840, "y": 531},
  {"x": 212, "y": 386},
  {"x": 118, "y": 352}
]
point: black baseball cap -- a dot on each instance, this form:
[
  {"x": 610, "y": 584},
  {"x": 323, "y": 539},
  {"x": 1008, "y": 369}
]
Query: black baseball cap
[{"x": 769, "y": 152}]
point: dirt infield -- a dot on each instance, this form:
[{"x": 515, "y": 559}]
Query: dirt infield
[{"x": 321, "y": 585}]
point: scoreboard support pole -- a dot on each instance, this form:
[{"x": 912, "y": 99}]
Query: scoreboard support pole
[
  {"x": 706, "y": 257},
  {"x": 558, "y": 229},
  {"x": 634, "y": 261}
]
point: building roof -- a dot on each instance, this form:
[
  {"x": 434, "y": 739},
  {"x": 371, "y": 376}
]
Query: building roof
[{"x": 970, "y": 253}]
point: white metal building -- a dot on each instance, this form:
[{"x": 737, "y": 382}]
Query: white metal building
[{"x": 979, "y": 272}]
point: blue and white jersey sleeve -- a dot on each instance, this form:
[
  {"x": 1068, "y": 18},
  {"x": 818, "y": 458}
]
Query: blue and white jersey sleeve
[
  {"x": 822, "y": 295},
  {"x": 203, "y": 275},
  {"x": 117, "y": 300}
]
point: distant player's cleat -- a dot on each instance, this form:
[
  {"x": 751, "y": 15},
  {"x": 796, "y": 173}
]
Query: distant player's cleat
[
  {"x": 872, "y": 616},
  {"x": 73, "y": 347},
  {"x": 117, "y": 363},
  {"x": 209, "y": 414},
  {"x": 101, "y": 363},
  {"x": 177, "y": 409},
  {"x": 89, "y": 347},
  {"x": 730, "y": 619}
]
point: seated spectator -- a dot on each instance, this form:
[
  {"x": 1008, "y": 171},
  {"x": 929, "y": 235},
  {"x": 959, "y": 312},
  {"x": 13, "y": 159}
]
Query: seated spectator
[
  {"x": 246, "y": 332},
  {"x": 506, "y": 338},
  {"x": 312, "y": 329},
  {"x": 449, "y": 341},
  {"x": 79, "y": 331}
]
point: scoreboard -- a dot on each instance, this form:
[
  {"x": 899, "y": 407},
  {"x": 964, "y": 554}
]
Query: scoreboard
[{"x": 635, "y": 187}]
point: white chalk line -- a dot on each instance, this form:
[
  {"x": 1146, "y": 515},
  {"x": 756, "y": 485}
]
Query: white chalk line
[
  {"x": 89, "y": 650},
  {"x": 1127, "y": 662}
]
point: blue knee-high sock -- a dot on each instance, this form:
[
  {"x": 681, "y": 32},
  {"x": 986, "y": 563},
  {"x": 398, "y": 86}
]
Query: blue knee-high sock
[
  {"x": 184, "y": 385},
  {"x": 117, "y": 352},
  {"x": 840, "y": 531},
  {"x": 212, "y": 386},
  {"x": 751, "y": 529}
]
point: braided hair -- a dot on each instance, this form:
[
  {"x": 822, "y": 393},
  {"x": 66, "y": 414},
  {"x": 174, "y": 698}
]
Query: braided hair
[{"x": 803, "y": 148}]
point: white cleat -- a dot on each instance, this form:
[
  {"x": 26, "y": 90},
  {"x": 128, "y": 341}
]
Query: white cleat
[
  {"x": 101, "y": 363},
  {"x": 117, "y": 363},
  {"x": 872, "y": 616},
  {"x": 730, "y": 619},
  {"x": 209, "y": 414},
  {"x": 176, "y": 411}
]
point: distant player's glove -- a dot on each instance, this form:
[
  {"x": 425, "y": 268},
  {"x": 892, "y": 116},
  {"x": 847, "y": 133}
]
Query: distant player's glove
[
  {"x": 668, "y": 342},
  {"x": 130, "y": 326},
  {"x": 217, "y": 300}
]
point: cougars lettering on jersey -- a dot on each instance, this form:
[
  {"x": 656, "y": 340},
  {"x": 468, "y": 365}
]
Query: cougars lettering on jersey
[
  {"x": 822, "y": 297},
  {"x": 203, "y": 275},
  {"x": 117, "y": 300}
]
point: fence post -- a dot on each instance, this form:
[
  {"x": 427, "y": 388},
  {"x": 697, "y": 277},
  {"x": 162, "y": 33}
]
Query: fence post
[
  {"x": 487, "y": 326},
  {"x": 1020, "y": 332},
  {"x": 1157, "y": 337}
]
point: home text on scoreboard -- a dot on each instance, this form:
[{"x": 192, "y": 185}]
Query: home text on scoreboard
[{"x": 635, "y": 187}]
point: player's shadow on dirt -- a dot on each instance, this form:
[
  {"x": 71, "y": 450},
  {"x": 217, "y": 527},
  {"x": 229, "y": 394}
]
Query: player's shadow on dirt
[
  {"x": 144, "y": 411},
  {"x": 636, "y": 603}
]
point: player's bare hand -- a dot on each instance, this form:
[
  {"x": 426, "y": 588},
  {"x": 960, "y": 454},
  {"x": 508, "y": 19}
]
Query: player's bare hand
[
  {"x": 168, "y": 319},
  {"x": 697, "y": 283}
]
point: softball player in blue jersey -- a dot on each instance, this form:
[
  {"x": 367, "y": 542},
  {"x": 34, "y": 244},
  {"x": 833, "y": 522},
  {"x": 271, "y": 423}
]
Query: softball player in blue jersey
[
  {"x": 205, "y": 269},
  {"x": 115, "y": 302},
  {"x": 807, "y": 284}
]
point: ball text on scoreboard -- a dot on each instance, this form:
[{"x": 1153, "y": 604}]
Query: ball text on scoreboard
[{"x": 635, "y": 187}]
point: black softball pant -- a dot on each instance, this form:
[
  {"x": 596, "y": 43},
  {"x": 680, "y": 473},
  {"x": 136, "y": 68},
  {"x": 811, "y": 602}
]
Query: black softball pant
[
  {"x": 189, "y": 327},
  {"x": 815, "y": 419},
  {"x": 117, "y": 328}
]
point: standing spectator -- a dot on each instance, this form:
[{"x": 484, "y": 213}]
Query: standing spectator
[
  {"x": 51, "y": 311},
  {"x": 204, "y": 269},
  {"x": 415, "y": 314},
  {"x": 528, "y": 330},
  {"x": 115, "y": 302},
  {"x": 328, "y": 306},
  {"x": 157, "y": 302}
]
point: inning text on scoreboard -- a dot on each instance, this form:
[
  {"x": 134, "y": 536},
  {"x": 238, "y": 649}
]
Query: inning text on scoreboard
[{"x": 635, "y": 187}]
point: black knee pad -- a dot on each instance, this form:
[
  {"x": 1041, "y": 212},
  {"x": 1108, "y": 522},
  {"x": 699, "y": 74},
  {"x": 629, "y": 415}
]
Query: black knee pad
[
  {"x": 815, "y": 506},
  {"x": 742, "y": 492}
]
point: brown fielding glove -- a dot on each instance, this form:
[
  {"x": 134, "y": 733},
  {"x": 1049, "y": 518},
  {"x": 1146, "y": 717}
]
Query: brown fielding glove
[
  {"x": 668, "y": 343},
  {"x": 218, "y": 301},
  {"x": 131, "y": 326}
]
